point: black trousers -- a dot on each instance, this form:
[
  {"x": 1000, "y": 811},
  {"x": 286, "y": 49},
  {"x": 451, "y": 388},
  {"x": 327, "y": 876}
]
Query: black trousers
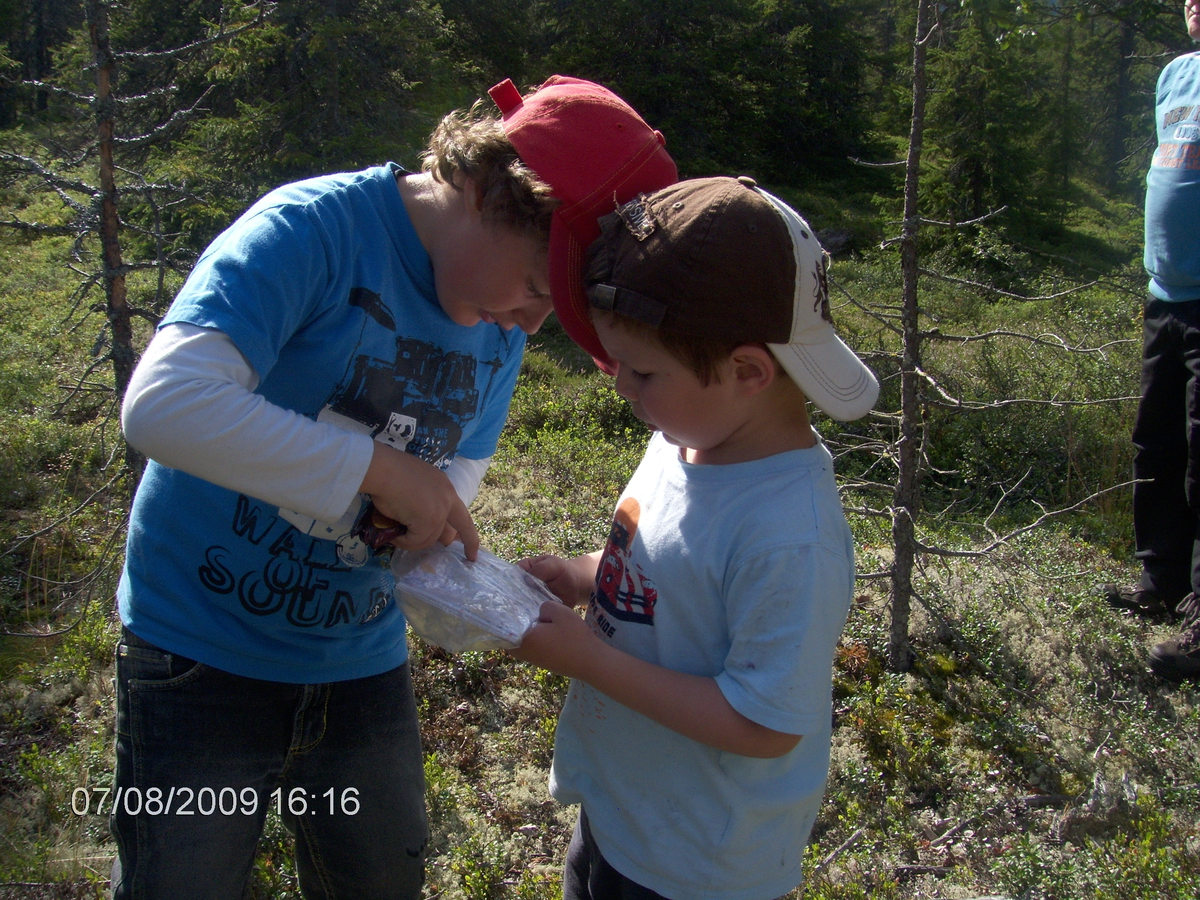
[
  {"x": 588, "y": 876},
  {"x": 1166, "y": 438}
]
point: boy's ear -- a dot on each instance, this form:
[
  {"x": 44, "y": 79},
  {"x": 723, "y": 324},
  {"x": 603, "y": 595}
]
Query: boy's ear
[
  {"x": 753, "y": 366},
  {"x": 472, "y": 195}
]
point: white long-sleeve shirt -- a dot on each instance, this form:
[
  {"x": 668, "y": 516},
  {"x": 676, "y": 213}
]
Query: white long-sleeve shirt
[{"x": 190, "y": 405}]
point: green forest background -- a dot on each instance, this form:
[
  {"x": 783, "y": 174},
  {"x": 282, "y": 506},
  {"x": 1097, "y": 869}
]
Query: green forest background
[
  {"x": 1025, "y": 752},
  {"x": 1029, "y": 100}
]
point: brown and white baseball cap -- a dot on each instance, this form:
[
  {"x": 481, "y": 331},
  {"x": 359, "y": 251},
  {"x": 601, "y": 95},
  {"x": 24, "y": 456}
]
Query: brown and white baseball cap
[{"x": 721, "y": 256}]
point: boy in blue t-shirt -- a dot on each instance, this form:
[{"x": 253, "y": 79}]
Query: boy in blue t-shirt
[
  {"x": 339, "y": 364},
  {"x": 696, "y": 731}
]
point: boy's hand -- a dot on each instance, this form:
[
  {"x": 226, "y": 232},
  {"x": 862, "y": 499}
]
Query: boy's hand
[
  {"x": 556, "y": 573},
  {"x": 561, "y": 641},
  {"x": 420, "y": 497},
  {"x": 570, "y": 580}
]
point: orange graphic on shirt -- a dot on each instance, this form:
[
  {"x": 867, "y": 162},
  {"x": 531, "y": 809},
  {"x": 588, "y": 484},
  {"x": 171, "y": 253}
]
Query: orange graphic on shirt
[{"x": 623, "y": 591}]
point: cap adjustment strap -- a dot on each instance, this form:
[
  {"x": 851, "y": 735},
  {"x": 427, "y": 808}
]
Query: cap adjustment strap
[
  {"x": 506, "y": 96},
  {"x": 627, "y": 303}
]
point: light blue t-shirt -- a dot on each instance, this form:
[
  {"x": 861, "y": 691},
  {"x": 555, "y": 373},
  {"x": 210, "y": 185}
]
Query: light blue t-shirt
[
  {"x": 742, "y": 573},
  {"x": 325, "y": 288},
  {"x": 1172, "y": 254}
]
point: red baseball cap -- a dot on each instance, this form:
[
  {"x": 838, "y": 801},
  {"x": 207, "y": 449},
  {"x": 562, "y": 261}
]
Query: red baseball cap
[{"x": 596, "y": 153}]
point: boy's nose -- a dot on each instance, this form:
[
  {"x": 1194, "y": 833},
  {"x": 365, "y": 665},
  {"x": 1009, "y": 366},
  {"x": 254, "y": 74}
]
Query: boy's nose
[
  {"x": 624, "y": 384},
  {"x": 530, "y": 317}
]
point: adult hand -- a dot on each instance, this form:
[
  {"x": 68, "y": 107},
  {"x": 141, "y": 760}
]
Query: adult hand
[{"x": 421, "y": 498}]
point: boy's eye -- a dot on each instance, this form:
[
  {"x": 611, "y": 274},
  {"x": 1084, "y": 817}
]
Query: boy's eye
[{"x": 533, "y": 290}]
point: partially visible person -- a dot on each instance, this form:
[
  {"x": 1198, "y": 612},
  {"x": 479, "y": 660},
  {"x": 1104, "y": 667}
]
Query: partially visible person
[
  {"x": 1166, "y": 434},
  {"x": 696, "y": 731},
  {"x": 349, "y": 345}
]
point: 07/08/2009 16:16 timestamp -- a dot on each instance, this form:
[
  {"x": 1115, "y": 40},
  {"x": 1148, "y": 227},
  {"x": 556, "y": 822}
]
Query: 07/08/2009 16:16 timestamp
[{"x": 207, "y": 801}]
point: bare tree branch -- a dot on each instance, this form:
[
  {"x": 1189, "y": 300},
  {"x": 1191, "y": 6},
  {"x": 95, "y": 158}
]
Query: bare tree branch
[
  {"x": 52, "y": 179},
  {"x": 992, "y": 289},
  {"x": 947, "y": 401},
  {"x": 36, "y": 228},
  {"x": 876, "y": 165},
  {"x": 178, "y": 118},
  {"x": 1001, "y": 540},
  {"x": 1046, "y": 340},
  {"x": 975, "y": 221},
  {"x": 265, "y": 11},
  {"x": 21, "y": 540},
  {"x": 59, "y": 91}
]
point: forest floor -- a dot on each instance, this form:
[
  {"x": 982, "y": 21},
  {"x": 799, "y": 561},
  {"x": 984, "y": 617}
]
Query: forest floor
[{"x": 1029, "y": 752}]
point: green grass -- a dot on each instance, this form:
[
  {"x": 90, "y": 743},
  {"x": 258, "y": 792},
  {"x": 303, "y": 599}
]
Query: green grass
[{"x": 1028, "y": 753}]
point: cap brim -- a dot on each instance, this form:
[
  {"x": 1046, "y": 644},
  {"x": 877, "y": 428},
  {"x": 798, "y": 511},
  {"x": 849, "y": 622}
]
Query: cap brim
[
  {"x": 566, "y": 289},
  {"x": 831, "y": 376}
]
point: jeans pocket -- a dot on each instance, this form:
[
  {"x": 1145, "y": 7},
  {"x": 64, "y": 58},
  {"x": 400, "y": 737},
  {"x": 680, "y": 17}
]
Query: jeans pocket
[
  {"x": 142, "y": 662},
  {"x": 142, "y": 666}
]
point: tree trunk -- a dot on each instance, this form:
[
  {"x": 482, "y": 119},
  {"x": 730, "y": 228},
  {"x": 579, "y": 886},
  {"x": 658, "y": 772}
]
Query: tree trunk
[
  {"x": 906, "y": 497},
  {"x": 1118, "y": 140},
  {"x": 116, "y": 301}
]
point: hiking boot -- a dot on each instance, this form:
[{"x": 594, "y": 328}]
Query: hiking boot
[
  {"x": 1142, "y": 602},
  {"x": 1179, "y": 657}
]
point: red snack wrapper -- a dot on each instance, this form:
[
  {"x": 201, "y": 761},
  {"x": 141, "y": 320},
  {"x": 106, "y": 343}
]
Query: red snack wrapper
[{"x": 375, "y": 529}]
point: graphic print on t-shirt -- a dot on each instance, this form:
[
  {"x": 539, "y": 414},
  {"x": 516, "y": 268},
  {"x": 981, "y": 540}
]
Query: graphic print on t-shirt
[
  {"x": 1183, "y": 151},
  {"x": 418, "y": 401},
  {"x": 623, "y": 592}
]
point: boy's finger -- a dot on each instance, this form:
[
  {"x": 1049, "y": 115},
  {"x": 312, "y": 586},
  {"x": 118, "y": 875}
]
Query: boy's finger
[
  {"x": 413, "y": 539},
  {"x": 460, "y": 520},
  {"x": 449, "y": 536}
]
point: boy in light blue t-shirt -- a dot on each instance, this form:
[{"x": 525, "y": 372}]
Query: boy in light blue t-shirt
[{"x": 696, "y": 731}]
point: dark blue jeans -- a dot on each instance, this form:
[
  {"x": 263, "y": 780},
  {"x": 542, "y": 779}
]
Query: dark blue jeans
[
  {"x": 1166, "y": 438},
  {"x": 202, "y": 754}
]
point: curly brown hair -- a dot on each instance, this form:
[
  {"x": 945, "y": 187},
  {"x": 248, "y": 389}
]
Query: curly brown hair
[{"x": 472, "y": 143}]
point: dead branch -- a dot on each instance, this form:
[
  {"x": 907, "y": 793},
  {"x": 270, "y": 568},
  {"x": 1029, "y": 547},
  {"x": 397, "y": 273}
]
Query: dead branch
[
  {"x": 969, "y": 405},
  {"x": 832, "y": 857},
  {"x": 869, "y": 512},
  {"x": 992, "y": 289},
  {"x": 1045, "y": 340},
  {"x": 21, "y": 540},
  {"x": 911, "y": 871},
  {"x": 178, "y": 118},
  {"x": 996, "y": 809},
  {"x": 975, "y": 221},
  {"x": 49, "y": 178},
  {"x": 38, "y": 228},
  {"x": 84, "y": 99},
  {"x": 947, "y": 401},
  {"x": 264, "y": 12},
  {"x": 999, "y": 541},
  {"x": 883, "y": 575},
  {"x": 876, "y": 165},
  {"x": 108, "y": 559}
]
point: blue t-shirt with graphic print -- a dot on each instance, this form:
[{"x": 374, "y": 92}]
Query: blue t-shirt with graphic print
[
  {"x": 1172, "y": 255},
  {"x": 325, "y": 288}
]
